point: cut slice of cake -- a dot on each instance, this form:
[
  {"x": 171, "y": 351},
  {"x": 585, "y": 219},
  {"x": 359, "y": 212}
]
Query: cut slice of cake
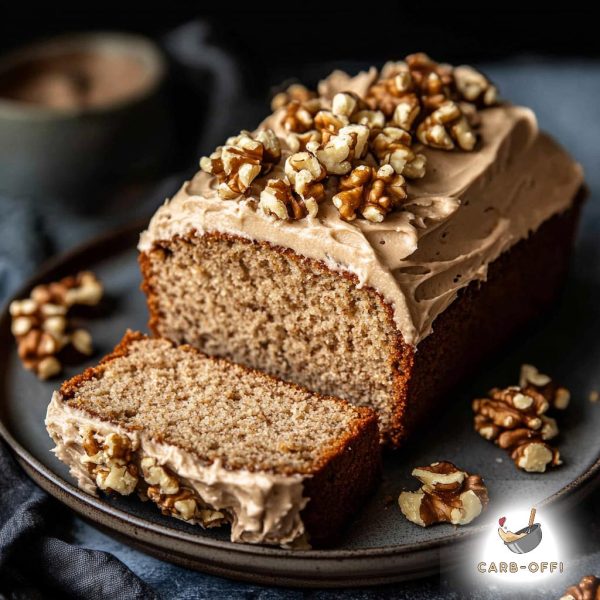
[
  {"x": 372, "y": 241},
  {"x": 213, "y": 442}
]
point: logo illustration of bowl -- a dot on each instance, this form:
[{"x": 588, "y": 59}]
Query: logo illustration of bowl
[{"x": 525, "y": 540}]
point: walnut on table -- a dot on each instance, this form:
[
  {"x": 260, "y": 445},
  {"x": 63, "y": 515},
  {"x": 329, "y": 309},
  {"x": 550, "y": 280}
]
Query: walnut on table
[
  {"x": 515, "y": 419},
  {"x": 447, "y": 495}
]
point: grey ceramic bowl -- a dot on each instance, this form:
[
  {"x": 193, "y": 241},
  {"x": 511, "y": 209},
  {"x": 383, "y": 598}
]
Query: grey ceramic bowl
[
  {"x": 529, "y": 542},
  {"x": 54, "y": 153}
]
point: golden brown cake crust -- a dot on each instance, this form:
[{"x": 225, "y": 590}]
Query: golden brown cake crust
[{"x": 464, "y": 333}]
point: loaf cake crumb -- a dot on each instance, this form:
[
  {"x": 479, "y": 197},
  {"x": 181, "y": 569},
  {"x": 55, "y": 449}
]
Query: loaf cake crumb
[{"x": 206, "y": 438}]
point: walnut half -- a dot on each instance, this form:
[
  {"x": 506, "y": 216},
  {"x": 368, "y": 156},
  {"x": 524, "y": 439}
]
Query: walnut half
[{"x": 447, "y": 495}]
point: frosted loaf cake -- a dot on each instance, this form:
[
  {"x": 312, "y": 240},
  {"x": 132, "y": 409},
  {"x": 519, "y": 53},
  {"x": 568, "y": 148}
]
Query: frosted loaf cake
[{"x": 373, "y": 241}]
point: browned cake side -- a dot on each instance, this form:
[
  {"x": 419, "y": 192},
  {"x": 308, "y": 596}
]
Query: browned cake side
[
  {"x": 268, "y": 308},
  {"x": 190, "y": 402}
]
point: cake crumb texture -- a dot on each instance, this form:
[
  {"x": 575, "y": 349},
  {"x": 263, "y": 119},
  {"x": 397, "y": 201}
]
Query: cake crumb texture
[
  {"x": 215, "y": 409},
  {"x": 267, "y": 308}
]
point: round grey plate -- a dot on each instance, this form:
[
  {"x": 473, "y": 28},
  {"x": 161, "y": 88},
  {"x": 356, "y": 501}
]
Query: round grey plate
[{"x": 380, "y": 545}]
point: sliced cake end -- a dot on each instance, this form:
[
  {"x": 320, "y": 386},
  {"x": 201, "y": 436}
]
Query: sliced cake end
[{"x": 212, "y": 442}]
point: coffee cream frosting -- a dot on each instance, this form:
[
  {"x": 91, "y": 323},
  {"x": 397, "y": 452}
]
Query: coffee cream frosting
[
  {"x": 468, "y": 209},
  {"x": 264, "y": 507}
]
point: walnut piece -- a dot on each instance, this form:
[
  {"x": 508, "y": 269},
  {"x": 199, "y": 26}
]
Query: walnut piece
[
  {"x": 446, "y": 126},
  {"x": 279, "y": 199},
  {"x": 587, "y": 589},
  {"x": 109, "y": 459},
  {"x": 295, "y": 92},
  {"x": 299, "y": 116},
  {"x": 447, "y": 495},
  {"x": 393, "y": 146},
  {"x": 241, "y": 160},
  {"x": 174, "y": 499},
  {"x": 338, "y": 153},
  {"x": 41, "y": 324},
  {"x": 305, "y": 174},
  {"x": 370, "y": 192},
  {"x": 474, "y": 87},
  {"x": 515, "y": 419}
]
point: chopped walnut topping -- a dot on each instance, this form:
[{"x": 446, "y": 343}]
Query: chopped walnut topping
[
  {"x": 587, "y": 589},
  {"x": 299, "y": 116},
  {"x": 328, "y": 123},
  {"x": 41, "y": 325},
  {"x": 371, "y": 192},
  {"x": 241, "y": 160},
  {"x": 393, "y": 146},
  {"x": 473, "y": 86},
  {"x": 165, "y": 490},
  {"x": 447, "y": 495},
  {"x": 416, "y": 99},
  {"x": 337, "y": 154},
  {"x": 445, "y": 126},
  {"x": 305, "y": 173},
  {"x": 297, "y": 142},
  {"x": 279, "y": 199},
  {"x": 109, "y": 459},
  {"x": 295, "y": 92},
  {"x": 515, "y": 419}
]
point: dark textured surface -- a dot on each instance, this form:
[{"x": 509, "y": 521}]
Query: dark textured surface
[{"x": 564, "y": 94}]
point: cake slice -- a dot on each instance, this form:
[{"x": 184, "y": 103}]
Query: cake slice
[
  {"x": 373, "y": 240},
  {"x": 212, "y": 442}
]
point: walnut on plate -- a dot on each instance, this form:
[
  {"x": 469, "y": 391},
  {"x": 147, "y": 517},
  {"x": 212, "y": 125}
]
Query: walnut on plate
[
  {"x": 515, "y": 419},
  {"x": 42, "y": 327},
  {"x": 447, "y": 495},
  {"x": 241, "y": 160},
  {"x": 370, "y": 192}
]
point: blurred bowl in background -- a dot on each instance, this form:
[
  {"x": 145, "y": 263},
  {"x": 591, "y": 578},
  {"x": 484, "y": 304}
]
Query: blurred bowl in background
[{"x": 79, "y": 112}]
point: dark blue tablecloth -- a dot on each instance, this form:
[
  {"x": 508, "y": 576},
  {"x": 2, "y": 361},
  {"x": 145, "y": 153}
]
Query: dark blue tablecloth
[{"x": 564, "y": 95}]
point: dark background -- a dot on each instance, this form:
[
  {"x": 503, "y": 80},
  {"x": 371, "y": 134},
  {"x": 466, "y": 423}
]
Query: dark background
[
  {"x": 272, "y": 48},
  {"x": 284, "y": 43}
]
